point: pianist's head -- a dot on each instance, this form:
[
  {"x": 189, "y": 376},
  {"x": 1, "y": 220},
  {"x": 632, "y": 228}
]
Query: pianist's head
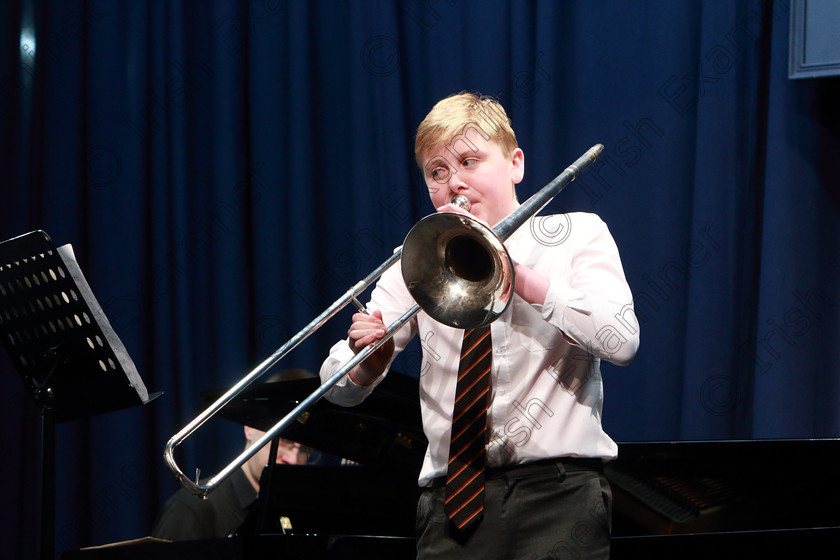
[{"x": 288, "y": 453}]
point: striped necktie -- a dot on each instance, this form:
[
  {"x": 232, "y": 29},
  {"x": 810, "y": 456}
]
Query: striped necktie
[{"x": 465, "y": 476}]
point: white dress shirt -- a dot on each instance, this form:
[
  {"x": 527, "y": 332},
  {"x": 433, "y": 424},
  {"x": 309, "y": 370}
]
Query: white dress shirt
[{"x": 546, "y": 394}]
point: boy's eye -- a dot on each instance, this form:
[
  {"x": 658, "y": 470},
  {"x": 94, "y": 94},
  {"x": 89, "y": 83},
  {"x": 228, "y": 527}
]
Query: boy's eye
[
  {"x": 469, "y": 162},
  {"x": 439, "y": 173}
]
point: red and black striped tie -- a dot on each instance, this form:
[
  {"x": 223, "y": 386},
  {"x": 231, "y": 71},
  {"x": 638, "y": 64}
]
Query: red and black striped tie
[{"x": 465, "y": 476}]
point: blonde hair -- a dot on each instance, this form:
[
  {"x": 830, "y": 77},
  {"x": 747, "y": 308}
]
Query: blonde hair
[{"x": 452, "y": 116}]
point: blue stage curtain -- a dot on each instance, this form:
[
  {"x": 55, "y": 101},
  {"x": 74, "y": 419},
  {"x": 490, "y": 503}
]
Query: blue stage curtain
[{"x": 226, "y": 169}]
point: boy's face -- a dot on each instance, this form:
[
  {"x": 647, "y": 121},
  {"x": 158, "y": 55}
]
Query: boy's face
[{"x": 478, "y": 169}]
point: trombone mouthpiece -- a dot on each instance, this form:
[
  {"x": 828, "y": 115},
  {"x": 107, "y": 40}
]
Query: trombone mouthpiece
[{"x": 461, "y": 201}]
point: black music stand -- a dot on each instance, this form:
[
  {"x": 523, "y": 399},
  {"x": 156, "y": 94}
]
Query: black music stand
[{"x": 61, "y": 343}]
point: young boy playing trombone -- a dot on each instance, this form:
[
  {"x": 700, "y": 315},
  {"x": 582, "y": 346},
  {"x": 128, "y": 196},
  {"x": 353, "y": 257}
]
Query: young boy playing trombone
[{"x": 529, "y": 482}]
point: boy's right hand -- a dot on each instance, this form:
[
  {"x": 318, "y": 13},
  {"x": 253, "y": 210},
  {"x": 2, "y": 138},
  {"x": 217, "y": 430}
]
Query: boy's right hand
[{"x": 365, "y": 330}]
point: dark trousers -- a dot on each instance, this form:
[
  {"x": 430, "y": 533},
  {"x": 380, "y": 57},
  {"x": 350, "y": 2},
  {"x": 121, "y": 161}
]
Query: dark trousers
[{"x": 538, "y": 511}]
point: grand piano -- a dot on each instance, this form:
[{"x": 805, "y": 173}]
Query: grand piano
[
  {"x": 720, "y": 499},
  {"x": 725, "y": 499}
]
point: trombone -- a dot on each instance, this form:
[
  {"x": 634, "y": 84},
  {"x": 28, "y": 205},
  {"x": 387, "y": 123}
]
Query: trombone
[{"x": 457, "y": 270}]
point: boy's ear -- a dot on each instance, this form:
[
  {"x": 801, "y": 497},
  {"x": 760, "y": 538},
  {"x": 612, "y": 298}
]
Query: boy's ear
[{"x": 517, "y": 162}]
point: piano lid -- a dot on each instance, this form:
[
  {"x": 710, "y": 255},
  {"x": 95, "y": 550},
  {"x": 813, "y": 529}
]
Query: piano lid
[{"x": 385, "y": 429}]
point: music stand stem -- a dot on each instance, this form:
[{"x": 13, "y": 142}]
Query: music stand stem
[{"x": 48, "y": 449}]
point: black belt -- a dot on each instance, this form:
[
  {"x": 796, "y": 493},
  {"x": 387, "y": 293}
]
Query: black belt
[{"x": 569, "y": 464}]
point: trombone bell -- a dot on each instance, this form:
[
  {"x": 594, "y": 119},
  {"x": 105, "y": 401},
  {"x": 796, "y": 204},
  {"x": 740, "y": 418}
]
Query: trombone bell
[{"x": 457, "y": 270}]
